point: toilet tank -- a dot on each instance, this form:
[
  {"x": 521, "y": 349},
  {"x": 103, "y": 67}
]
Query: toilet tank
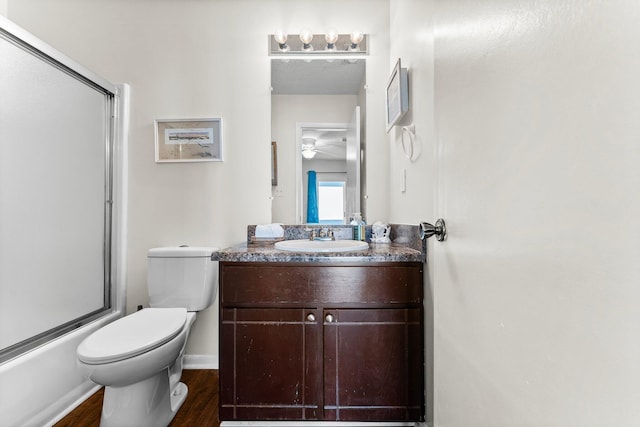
[{"x": 182, "y": 276}]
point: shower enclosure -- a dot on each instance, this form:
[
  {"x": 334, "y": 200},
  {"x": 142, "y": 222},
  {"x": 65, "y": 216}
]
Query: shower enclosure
[{"x": 61, "y": 212}]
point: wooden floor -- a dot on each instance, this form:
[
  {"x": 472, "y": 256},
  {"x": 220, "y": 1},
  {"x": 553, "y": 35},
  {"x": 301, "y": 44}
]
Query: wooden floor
[{"x": 199, "y": 410}]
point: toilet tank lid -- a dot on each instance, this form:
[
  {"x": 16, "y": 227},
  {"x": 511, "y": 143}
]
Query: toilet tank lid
[{"x": 181, "y": 252}]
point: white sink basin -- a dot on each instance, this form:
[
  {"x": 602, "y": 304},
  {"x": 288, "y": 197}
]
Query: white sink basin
[{"x": 306, "y": 245}]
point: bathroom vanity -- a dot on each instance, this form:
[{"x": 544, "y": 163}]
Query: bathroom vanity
[{"x": 321, "y": 336}]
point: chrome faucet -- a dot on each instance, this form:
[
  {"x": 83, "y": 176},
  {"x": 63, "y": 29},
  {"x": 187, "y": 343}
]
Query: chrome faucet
[{"x": 322, "y": 234}]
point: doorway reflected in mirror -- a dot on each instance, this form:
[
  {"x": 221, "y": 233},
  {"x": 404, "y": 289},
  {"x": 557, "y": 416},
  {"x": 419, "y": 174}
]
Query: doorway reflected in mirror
[{"x": 315, "y": 117}]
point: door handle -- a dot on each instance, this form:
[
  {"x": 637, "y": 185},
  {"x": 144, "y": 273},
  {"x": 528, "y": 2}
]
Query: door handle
[{"x": 440, "y": 230}]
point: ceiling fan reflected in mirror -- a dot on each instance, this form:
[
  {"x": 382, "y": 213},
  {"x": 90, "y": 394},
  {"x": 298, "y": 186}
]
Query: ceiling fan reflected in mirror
[
  {"x": 327, "y": 144},
  {"x": 309, "y": 148}
]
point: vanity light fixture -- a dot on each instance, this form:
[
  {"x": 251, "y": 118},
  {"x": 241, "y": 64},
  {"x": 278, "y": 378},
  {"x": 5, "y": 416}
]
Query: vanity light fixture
[
  {"x": 305, "y": 37},
  {"x": 307, "y": 43},
  {"x": 281, "y": 39}
]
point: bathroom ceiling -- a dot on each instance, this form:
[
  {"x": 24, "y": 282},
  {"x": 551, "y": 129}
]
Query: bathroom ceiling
[{"x": 317, "y": 77}]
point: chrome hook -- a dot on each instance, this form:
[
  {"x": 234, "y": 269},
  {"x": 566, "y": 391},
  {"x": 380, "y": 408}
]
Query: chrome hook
[{"x": 440, "y": 230}]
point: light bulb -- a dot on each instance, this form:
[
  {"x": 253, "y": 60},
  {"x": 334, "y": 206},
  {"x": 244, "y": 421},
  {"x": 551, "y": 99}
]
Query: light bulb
[
  {"x": 281, "y": 38},
  {"x": 331, "y": 37},
  {"x": 306, "y": 36},
  {"x": 356, "y": 38}
]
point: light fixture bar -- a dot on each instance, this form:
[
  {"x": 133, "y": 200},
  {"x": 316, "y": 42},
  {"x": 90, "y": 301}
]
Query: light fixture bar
[{"x": 318, "y": 45}]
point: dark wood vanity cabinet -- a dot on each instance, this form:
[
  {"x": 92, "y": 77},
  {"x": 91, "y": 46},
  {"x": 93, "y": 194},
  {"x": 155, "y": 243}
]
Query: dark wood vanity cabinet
[{"x": 321, "y": 342}]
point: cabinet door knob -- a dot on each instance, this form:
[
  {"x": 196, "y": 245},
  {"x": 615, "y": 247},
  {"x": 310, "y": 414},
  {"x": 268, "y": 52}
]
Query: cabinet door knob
[
  {"x": 311, "y": 317},
  {"x": 329, "y": 318}
]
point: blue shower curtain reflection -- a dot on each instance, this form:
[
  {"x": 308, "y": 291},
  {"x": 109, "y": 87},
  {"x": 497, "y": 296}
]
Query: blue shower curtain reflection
[{"x": 312, "y": 198}]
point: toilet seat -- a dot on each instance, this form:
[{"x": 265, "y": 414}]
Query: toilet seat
[{"x": 132, "y": 335}]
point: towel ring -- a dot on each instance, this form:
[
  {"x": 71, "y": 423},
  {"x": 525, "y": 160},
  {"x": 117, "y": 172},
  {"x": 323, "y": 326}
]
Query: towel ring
[{"x": 411, "y": 130}]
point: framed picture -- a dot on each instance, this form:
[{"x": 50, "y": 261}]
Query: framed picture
[
  {"x": 188, "y": 140},
  {"x": 397, "y": 95},
  {"x": 274, "y": 163}
]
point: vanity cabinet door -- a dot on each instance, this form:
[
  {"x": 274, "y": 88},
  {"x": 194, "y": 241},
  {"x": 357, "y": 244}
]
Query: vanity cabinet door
[
  {"x": 373, "y": 364},
  {"x": 270, "y": 366}
]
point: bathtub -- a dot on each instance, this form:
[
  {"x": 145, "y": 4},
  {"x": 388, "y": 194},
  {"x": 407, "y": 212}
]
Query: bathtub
[{"x": 39, "y": 387}]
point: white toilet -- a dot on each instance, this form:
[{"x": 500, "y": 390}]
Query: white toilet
[{"x": 138, "y": 358}]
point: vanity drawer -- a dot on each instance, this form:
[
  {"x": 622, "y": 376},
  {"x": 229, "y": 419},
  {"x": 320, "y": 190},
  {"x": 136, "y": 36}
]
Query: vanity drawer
[{"x": 248, "y": 284}]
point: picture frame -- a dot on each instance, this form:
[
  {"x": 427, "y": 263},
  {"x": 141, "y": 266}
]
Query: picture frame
[
  {"x": 274, "y": 163},
  {"x": 397, "y": 95},
  {"x": 188, "y": 140}
]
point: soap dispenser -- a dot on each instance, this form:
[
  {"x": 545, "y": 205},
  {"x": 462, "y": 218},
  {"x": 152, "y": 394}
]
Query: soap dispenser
[{"x": 358, "y": 226}]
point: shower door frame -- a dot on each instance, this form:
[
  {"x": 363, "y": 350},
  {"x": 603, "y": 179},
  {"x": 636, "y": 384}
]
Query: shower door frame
[{"x": 31, "y": 45}]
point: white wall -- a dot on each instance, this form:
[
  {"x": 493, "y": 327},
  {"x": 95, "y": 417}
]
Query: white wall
[
  {"x": 192, "y": 58},
  {"x": 286, "y": 111},
  {"x": 411, "y": 40},
  {"x": 411, "y": 36},
  {"x": 535, "y": 139}
]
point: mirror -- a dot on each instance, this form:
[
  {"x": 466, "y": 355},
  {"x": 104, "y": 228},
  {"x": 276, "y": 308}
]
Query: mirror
[{"x": 316, "y": 121}]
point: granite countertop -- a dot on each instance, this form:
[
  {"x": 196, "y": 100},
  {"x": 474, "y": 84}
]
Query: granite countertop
[{"x": 406, "y": 246}]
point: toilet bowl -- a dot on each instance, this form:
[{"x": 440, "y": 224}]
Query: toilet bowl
[
  {"x": 106, "y": 359},
  {"x": 147, "y": 394},
  {"x": 138, "y": 358}
]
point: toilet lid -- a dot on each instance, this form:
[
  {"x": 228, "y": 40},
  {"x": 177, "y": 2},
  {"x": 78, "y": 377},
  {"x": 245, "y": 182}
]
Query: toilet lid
[{"x": 131, "y": 335}]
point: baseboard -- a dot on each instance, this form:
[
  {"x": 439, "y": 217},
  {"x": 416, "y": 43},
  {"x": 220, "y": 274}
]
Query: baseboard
[
  {"x": 200, "y": 361},
  {"x": 84, "y": 392}
]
